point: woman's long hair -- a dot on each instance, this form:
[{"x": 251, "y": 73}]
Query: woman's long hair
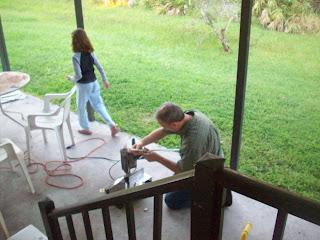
[{"x": 81, "y": 42}]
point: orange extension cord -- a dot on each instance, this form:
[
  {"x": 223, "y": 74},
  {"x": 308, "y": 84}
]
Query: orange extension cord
[{"x": 66, "y": 166}]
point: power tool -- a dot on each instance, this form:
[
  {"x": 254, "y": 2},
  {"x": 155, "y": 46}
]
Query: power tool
[{"x": 133, "y": 176}]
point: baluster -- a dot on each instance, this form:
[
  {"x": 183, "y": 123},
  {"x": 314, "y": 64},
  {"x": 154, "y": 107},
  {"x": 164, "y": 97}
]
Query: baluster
[
  {"x": 107, "y": 223},
  {"x": 130, "y": 221},
  {"x": 87, "y": 225},
  {"x": 280, "y": 225},
  {"x": 71, "y": 227},
  {"x": 157, "y": 217}
]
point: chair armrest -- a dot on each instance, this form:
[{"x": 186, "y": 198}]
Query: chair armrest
[
  {"x": 32, "y": 117},
  {"x": 8, "y": 147},
  {"x": 50, "y": 96}
]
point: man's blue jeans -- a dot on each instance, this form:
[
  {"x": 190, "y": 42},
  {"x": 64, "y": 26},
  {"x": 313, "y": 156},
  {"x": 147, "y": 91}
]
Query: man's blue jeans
[
  {"x": 91, "y": 92},
  {"x": 178, "y": 200}
]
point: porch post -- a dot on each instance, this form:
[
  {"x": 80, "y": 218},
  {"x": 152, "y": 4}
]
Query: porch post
[
  {"x": 3, "y": 50},
  {"x": 80, "y": 24},
  {"x": 245, "y": 26},
  {"x": 79, "y": 15}
]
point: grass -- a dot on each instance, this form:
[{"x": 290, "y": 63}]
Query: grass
[{"x": 151, "y": 59}]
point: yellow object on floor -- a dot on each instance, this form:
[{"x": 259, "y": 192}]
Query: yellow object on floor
[{"x": 245, "y": 232}]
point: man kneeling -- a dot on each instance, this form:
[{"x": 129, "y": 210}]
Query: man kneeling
[{"x": 198, "y": 136}]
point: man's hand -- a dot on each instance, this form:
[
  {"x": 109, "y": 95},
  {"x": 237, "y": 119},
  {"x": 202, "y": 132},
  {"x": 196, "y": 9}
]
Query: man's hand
[
  {"x": 150, "y": 155},
  {"x": 137, "y": 146},
  {"x": 106, "y": 84},
  {"x": 137, "y": 150}
]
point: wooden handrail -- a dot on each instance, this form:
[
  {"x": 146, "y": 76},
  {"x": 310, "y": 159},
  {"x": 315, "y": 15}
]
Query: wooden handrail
[
  {"x": 207, "y": 182},
  {"x": 176, "y": 182},
  {"x": 271, "y": 195}
]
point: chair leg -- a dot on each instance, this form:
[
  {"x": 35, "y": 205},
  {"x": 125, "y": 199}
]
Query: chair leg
[
  {"x": 26, "y": 174},
  {"x": 3, "y": 226},
  {"x": 44, "y": 135},
  {"x": 70, "y": 131},
  {"x": 12, "y": 166},
  {"x": 28, "y": 139},
  {"x": 59, "y": 132}
]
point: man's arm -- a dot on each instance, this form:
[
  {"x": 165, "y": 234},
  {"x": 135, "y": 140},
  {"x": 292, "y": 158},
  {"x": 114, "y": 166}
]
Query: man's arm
[
  {"x": 155, "y": 157},
  {"x": 154, "y": 136},
  {"x": 169, "y": 164}
]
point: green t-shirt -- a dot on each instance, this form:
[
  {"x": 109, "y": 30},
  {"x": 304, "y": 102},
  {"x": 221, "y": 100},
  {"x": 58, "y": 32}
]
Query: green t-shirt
[{"x": 198, "y": 136}]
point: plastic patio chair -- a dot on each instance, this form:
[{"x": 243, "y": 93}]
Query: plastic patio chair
[
  {"x": 3, "y": 226},
  {"x": 28, "y": 233},
  {"x": 52, "y": 120},
  {"x": 10, "y": 152}
]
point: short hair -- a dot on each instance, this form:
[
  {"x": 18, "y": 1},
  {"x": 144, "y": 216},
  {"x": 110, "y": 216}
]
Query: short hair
[
  {"x": 81, "y": 42},
  {"x": 169, "y": 113}
]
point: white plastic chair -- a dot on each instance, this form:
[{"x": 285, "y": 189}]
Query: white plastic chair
[
  {"x": 52, "y": 120},
  {"x": 3, "y": 226},
  {"x": 29, "y": 233},
  {"x": 10, "y": 152}
]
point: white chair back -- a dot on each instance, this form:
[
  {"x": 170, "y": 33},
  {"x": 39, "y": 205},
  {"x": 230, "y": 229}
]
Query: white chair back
[{"x": 67, "y": 103}]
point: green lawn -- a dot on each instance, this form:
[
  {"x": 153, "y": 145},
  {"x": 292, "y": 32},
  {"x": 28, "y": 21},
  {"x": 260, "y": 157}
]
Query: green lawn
[{"x": 151, "y": 59}]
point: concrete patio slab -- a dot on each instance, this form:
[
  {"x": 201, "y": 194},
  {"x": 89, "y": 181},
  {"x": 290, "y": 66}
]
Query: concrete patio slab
[{"x": 20, "y": 207}]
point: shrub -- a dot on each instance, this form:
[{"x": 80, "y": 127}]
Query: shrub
[{"x": 292, "y": 16}]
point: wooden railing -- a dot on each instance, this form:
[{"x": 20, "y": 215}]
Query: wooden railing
[
  {"x": 207, "y": 183},
  {"x": 221, "y": 178},
  {"x": 156, "y": 189}
]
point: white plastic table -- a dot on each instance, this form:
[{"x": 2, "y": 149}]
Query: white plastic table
[{"x": 10, "y": 82}]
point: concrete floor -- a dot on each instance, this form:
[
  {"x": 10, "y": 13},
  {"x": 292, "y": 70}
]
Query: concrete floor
[{"x": 20, "y": 208}]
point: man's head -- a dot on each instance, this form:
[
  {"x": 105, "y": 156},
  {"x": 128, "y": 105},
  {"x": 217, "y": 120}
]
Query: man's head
[{"x": 170, "y": 117}]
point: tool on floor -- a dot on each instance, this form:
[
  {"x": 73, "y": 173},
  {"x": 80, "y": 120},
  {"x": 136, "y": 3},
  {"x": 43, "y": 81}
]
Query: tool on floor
[
  {"x": 245, "y": 232},
  {"x": 133, "y": 177}
]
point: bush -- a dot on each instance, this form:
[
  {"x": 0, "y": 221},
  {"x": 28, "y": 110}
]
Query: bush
[
  {"x": 292, "y": 16},
  {"x": 150, "y": 4},
  {"x": 170, "y": 7}
]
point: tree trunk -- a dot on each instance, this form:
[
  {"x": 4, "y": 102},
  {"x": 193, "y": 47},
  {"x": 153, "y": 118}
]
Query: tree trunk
[{"x": 224, "y": 41}]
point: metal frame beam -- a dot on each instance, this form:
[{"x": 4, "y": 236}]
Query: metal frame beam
[
  {"x": 80, "y": 24},
  {"x": 3, "y": 50},
  {"x": 245, "y": 27},
  {"x": 79, "y": 15}
]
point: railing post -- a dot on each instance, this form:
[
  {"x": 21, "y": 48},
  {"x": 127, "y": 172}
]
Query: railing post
[
  {"x": 207, "y": 199},
  {"x": 3, "y": 50},
  {"x": 51, "y": 225}
]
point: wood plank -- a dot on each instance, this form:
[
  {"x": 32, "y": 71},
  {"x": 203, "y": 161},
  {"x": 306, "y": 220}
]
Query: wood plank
[
  {"x": 87, "y": 224},
  {"x": 157, "y": 217},
  {"x": 72, "y": 232},
  {"x": 271, "y": 195},
  {"x": 280, "y": 225},
  {"x": 207, "y": 198},
  {"x": 130, "y": 221},
  {"x": 51, "y": 223},
  {"x": 107, "y": 223},
  {"x": 182, "y": 181}
]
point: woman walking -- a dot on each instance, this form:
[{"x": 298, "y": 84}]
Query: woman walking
[{"x": 88, "y": 88}]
